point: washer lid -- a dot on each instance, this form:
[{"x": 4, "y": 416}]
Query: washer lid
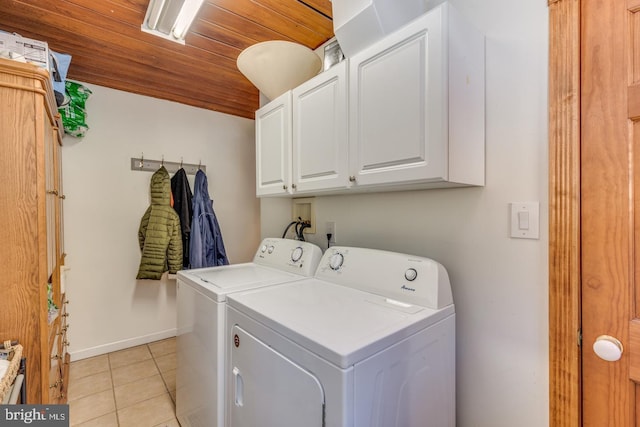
[
  {"x": 341, "y": 324},
  {"x": 217, "y": 282}
]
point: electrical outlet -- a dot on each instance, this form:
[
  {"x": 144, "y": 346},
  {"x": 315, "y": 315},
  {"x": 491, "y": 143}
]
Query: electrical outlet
[{"x": 330, "y": 228}]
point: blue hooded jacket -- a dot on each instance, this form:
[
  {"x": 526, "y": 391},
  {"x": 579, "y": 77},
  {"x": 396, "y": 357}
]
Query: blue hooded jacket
[{"x": 206, "y": 248}]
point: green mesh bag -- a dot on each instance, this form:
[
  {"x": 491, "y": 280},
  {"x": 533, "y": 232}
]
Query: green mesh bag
[{"x": 73, "y": 112}]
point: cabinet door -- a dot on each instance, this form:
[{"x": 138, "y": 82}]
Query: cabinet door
[
  {"x": 273, "y": 147},
  {"x": 51, "y": 198},
  {"x": 54, "y": 197},
  {"x": 59, "y": 224},
  {"x": 320, "y": 154},
  {"x": 398, "y": 106}
]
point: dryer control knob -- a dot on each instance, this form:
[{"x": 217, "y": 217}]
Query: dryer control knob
[
  {"x": 411, "y": 274},
  {"x": 263, "y": 248},
  {"x": 270, "y": 249},
  {"x": 336, "y": 260},
  {"x": 296, "y": 254}
]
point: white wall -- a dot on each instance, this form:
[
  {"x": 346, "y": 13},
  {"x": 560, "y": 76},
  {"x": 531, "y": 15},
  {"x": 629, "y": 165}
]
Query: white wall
[
  {"x": 109, "y": 309},
  {"x": 499, "y": 284}
]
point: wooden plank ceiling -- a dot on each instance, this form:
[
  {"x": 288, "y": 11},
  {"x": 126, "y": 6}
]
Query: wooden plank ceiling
[{"x": 108, "y": 48}]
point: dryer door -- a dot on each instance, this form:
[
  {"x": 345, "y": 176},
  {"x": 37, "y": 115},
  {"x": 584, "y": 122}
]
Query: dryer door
[{"x": 268, "y": 389}]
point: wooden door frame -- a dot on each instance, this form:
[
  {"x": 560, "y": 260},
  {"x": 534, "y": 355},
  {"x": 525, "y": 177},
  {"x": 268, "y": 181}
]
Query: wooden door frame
[{"x": 564, "y": 214}]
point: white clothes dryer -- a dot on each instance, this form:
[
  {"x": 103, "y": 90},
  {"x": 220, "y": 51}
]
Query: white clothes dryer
[
  {"x": 368, "y": 341},
  {"x": 201, "y": 296}
]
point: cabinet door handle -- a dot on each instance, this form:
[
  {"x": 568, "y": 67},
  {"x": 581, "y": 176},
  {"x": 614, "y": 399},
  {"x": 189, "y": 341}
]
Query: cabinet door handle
[
  {"x": 294, "y": 186},
  {"x": 284, "y": 187},
  {"x": 352, "y": 178}
]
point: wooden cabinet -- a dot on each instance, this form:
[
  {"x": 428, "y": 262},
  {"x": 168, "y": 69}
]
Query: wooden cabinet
[
  {"x": 32, "y": 252},
  {"x": 417, "y": 105},
  {"x": 320, "y": 137}
]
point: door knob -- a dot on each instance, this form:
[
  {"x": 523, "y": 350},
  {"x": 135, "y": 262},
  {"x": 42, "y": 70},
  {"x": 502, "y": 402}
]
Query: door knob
[{"x": 608, "y": 348}]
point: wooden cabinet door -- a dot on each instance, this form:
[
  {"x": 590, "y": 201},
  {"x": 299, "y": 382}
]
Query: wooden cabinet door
[
  {"x": 59, "y": 216},
  {"x": 320, "y": 139},
  {"x": 273, "y": 147},
  {"x": 51, "y": 194}
]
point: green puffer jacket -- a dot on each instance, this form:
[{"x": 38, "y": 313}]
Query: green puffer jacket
[{"x": 159, "y": 233}]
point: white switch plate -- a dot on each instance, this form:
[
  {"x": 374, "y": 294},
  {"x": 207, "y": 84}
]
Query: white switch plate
[{"x": 525, "y": 220}]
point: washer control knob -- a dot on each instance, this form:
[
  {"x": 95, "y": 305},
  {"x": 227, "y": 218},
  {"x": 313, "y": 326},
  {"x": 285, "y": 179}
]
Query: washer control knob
[
  {"x": 336, "y": 260},
  {"x": 263, "y": 248},
  {"x": 270, "y": 249},
  {"x": 296, "y": 254},
  {"x": 411, "y": 274}
]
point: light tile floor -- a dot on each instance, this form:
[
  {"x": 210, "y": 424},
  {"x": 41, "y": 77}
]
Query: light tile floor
[{"x": 135, "y": 387}]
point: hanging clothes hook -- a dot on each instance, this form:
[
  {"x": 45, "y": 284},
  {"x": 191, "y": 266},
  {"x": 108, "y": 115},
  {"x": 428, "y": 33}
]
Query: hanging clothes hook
[
  {"x": 162, "y": 161},
  {"x": 181, "y": 162},
  {"x": 141, "y": 160},
  {"x": 199, "y": 164}
]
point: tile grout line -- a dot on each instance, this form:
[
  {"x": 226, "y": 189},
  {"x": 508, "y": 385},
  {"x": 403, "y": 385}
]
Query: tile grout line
[
  {"x": 164, "y": 382},
  {"x": 113, "y": 391}
]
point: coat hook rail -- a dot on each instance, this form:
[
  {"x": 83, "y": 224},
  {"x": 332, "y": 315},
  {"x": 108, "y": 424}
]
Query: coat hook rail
[{"x": 148, "y": 165}]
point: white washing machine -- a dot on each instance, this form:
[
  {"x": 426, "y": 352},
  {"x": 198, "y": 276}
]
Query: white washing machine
[
  {"x": 201, "y": 296},
  {"x": 368, "y": 341}
]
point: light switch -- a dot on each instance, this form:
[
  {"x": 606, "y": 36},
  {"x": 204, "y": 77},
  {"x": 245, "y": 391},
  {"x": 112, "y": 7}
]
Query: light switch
[{"x": 525, "y": 220}]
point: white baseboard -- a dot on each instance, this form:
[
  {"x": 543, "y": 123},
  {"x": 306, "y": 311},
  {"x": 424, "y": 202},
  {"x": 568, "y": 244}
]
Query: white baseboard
[{"x": 120, "y": 345}]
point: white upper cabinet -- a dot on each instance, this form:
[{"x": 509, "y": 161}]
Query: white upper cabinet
[
  {"x": 416, "y": 106},
  {"x": 273, "y": 147},
  {"x": 320, "y": 153},
  {"x": 406, "y": 112}
]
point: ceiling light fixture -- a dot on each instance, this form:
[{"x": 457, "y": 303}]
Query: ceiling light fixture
[
  {"x": 170, "y": 19},
  {"x": 276, "y": 66}
]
